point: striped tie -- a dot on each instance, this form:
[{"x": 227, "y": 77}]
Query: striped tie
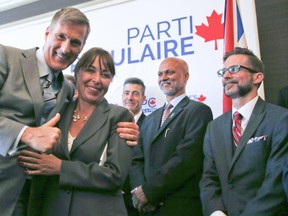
[
  {"x": 166, "y": 113},
  {"x": 49, "y": 95},
  {"x": 237, "y": 127}
]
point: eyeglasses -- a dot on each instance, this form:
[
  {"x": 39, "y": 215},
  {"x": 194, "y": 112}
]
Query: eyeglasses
[{"x": 234, "y": 69}]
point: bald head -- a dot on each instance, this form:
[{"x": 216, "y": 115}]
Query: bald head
[{"x": 172, "y": 77}]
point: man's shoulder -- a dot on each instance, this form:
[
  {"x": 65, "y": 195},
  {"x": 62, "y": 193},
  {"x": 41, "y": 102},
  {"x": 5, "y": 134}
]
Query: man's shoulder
[{"x": 13, "y": 53}]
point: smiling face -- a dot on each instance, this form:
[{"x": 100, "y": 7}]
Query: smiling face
[
  {"x": 242, "y": 83},
  {"x": 93, "y": 82},
  {"x": 133, "y": 97},
  {"x": 63, "y": 43},
  {"x": 172, "y": 77}
]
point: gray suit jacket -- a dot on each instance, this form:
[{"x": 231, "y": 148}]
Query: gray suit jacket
[
  {"x": 247, "y": 182},
  {"x": 168, "y": 160},
  {"x": 21, "y": 104},
  {"x": 84, "y": 187}
]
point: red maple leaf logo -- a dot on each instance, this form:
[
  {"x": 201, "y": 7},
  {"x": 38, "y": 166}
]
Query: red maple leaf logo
[
  {"x": 214, "y": 30},
  {"x": 152, "y": 102},
  {"x": 201, "y": 98}
]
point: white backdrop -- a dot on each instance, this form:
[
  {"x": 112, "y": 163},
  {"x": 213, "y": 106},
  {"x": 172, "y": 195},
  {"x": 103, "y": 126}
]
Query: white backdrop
[{"x": 140, "y": 33}]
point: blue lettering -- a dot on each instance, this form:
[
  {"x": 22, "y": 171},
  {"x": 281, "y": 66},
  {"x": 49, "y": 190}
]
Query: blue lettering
[
  {"x": 147, "y": 29},
  {"x": 130, "y": 61},
  {"x": 179, "y": 24},
  {"x": 185, "y": 45},
  {"x": 191, "y": 24},
  {"x": 159, "y": 30},
  {"x": 159, "y": 50},
  {"x": 122, "y": 57},
  {"x": 147, "y": 53},
  {"x": 133, "y": 35},
  {"x": 171, "y": 49}
]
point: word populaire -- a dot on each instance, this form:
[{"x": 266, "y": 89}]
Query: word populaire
[{"x": 166, "y": 38}]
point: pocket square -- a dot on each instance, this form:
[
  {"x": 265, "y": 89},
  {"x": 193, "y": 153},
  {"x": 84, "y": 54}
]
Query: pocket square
[{"x": 256, "y": 139}]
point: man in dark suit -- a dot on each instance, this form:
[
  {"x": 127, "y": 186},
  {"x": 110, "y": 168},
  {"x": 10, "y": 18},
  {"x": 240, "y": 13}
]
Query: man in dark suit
[
  {"x": 283, "y": 97},
  {"x": 133, "y": 97},
  {"x": 244, "y": 159},
  {"x": 22, "y": 102},
  {"x": 167, "y": 164}
]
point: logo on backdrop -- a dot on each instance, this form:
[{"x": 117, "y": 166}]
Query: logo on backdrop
[
  {"x": 214, "y": 30},
  {"x": 156, "y": 41},
  {"x": 163, "y": 39},
  {"x": 200, "y": 98},
  {"x": 149, "y": 105},
  {"x": 166, "y": 38}
]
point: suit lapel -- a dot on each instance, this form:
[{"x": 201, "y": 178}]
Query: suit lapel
[
  {"x": 227, "y": 135},
  {"x": 90, "y": 128},
  {"x": 140, "y": 120},
  {"x": 31, "y": 77},
  {"x": 65, "y": 125},
  {"x": 170, "y": 118},
  {"x": 254, "y": 121},
  {"x": 63, "y": 98}
]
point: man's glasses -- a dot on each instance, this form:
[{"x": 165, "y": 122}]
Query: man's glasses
[{"x": 234, "y": 69}]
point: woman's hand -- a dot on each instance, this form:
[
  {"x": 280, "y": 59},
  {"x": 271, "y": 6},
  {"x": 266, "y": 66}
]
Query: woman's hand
[{"x": 39, "y": 163}]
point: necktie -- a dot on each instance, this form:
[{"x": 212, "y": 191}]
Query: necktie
[
  {"x": 49, "y": 91},
  {"x": 237, "y": 127},
  {"x": 166, "y": 113}
]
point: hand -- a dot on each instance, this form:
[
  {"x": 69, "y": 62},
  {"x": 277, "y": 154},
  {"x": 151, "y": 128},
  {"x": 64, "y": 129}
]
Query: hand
[
  {"x": 39, "y": 164},
  {"x": 43, "y": 138},
  {"x": 148, "y": 208},
  {"x": 128, "y": 131},
  {"x": 139, "y": 199}
]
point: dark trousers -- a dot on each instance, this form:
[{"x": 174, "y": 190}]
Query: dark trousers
[{"x": 22, "y": 203}]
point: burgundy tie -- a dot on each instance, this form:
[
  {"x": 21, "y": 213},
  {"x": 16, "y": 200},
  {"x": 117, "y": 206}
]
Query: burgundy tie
[
  {"x": 237, "y": 127},
  {"x": 166, "y": 113}
]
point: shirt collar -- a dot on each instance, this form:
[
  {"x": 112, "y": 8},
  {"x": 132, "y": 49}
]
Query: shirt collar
[
  {"x": 137, "y": 116},
  {"x": 176, "y": 100},
  {"x": 247, "y": 109},
  {"x": 42, "y": 65}
]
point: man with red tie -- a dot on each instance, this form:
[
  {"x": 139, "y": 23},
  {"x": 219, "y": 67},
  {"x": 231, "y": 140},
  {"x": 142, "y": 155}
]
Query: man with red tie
[{"x": 244, "y": 156}]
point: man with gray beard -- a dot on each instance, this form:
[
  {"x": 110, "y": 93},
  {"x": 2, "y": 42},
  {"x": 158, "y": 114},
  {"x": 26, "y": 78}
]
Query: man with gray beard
[{"x": 167, "y": 164}]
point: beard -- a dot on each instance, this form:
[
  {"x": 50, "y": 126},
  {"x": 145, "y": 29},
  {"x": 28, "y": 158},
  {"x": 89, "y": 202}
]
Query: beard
[
  {"x": 170, "y": 92},
  {"x": 242, "y": 90}
]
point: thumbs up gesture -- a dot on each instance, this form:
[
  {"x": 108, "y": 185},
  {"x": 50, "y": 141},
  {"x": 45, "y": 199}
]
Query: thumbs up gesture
[{"x": 43, "y": 138}]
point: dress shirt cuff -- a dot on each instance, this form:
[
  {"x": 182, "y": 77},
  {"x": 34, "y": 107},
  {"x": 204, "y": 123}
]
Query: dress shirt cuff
[
  {"x": 16, "y": 147},
  {"x": 218, "y": 213}
]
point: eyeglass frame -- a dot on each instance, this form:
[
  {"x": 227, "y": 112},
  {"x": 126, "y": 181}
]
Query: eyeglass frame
[{"x": 222, "y": 71}]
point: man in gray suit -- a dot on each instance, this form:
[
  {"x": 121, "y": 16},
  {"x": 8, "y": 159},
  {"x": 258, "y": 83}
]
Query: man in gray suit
[
  {"x": 21, "y": 101},
  {"x": 242, "y": 172},
  {"x": 167, "y": 164}
]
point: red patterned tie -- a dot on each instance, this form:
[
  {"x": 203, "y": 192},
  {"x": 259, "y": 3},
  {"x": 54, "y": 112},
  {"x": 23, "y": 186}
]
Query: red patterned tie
[
  {"x": 166, "y": 113},
  {"x": 237, "y": 127}
]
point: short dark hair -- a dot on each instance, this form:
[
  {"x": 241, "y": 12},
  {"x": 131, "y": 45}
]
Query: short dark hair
[
  {"x": 89, "y": 56},
  {"x": 135, "y": 80},
  {"x": 72, "y": 15},
  {"x": 254, "y": 61}
]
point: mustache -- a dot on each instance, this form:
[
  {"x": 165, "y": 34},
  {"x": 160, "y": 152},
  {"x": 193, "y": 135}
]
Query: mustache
[
  {"x": 164, "y": 82},
  {"x": 229, "y": 82}
]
